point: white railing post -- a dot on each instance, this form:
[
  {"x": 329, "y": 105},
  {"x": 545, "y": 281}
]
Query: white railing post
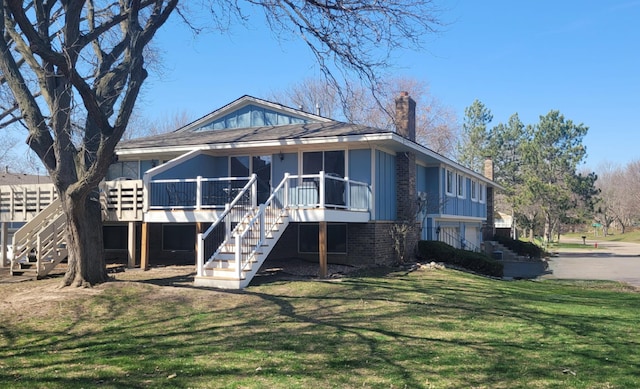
[
  {"x": 227, "y": 226},
  {"x": 119, "y": 198},
  {"x": 38, "y": 199},
  {"x": 321, "y": 189},
  {"x": 238, "y": 256},
  {"x": 347, "y": 193},
  {"x": 12, "y": 210},
  {"x": 263, "y": 209},
  {"x": 254, "y": 190},
  {"x": 285, "y": 198},
  {"x": 198, "y": 192},
  {"x": 38, "y": 255},
  {"x": 24, "y": 203},
  {"x": 146, "y": 193},
  {"x": 200, "y": 268}
]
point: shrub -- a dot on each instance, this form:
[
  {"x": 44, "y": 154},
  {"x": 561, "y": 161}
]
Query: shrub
[{"x": 442, "y": 252}]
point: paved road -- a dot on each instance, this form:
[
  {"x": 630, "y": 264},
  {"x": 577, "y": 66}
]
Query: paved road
[{"x": 616, "y": 261}]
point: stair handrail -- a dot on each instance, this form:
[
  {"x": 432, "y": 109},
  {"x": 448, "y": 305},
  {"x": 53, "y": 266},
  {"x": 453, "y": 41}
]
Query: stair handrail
[
  {"x": 29, "y": 230},
  {"x": 50, "y": 244},
  {"x": 456, "y": 239},
  {"x": 264, "y": 225},
  {"x": 225, "y": 214}
]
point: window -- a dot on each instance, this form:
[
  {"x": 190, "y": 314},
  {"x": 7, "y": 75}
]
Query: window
[
  {"x": 474, "y": 190},
  {"x": 332, "y": 162},
  {"x": 127, "y": 169},
  {"x": 261, "y": 167},
  {"x": 239, "y": 166},
  {"x": 449, "y": 182},
  {"x": 460, "y": 186},
  {"x": 481, "y": 193},
  {"x": 178, "y": 237},
  {"x": 336, "y": 238}
]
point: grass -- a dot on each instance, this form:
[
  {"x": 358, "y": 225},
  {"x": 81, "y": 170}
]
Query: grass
[
  {"x": 565, "y": 245},
  {"x": 424, "y": 329},
  {"x": 631, "y": 235}
]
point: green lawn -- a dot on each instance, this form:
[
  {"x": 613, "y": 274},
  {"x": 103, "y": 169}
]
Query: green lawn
[
  {"x": 632, "y": 236},
  {"x": 425, "y": 329}
]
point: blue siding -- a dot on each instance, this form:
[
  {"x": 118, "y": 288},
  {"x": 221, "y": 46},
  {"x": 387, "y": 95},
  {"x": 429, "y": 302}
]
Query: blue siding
[
  {"x": 454, "y": 205},
  {"x": 200, "y": 165},
  {"x": 360, "y": 165},
  {"x": 221, "y": 167},
  {"x": 288, "y": 164},
  {"x": 421, "y": 178},
  {"x": 385, "y": 186}
]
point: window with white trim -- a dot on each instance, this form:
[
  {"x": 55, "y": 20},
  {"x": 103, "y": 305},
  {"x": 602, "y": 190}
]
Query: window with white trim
[
  {"x": 460, "y": 185},
  {"x": 449, "y": 183},
  {"x": 481, "y": 193},
  {"x": 474, "y": 190}
]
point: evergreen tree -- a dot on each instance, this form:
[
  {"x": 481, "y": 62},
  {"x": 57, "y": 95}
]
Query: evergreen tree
[
  {"x": 550, "y": 160},
  {"x": 472, "y": 147}
]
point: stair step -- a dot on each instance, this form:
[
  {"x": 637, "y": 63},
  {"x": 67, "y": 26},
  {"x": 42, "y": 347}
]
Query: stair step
[
  {"x": 221, "y": 278},
  {"x": 230, "y": 259}
]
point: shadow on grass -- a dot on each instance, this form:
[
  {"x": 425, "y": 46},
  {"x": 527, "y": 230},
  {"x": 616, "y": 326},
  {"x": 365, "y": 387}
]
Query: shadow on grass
[{"x": 379, "y": 328}]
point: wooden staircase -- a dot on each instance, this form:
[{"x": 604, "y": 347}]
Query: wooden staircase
[{"x": 39, "y": 246}]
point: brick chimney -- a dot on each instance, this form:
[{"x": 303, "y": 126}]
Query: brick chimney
[
  {"x": 406, "y": 116},
  {"x": 489, "y": 228},
  {"x": 488, "y": 168}
]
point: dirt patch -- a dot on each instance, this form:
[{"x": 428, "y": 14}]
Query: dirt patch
[{"x": 39, "y": 297}]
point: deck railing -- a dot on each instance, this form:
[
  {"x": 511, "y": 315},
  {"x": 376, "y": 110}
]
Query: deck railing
[
  {"x": 327, "y": 191},
  {"x": 194, "y": 193},
  {"x": 22, "y": 202},
  {"x": 120, "y": 199},
  {"x": 124, "y": 199},
  {"x": 304, "y": 191}
]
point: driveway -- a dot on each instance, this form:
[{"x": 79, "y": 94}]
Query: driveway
[{"x": 615, "y": 261}]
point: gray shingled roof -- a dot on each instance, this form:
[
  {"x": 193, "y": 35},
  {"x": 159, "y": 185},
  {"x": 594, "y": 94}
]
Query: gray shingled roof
[
  {"x": 22, "y": 179},
  {"x": 254, "y": 134}
]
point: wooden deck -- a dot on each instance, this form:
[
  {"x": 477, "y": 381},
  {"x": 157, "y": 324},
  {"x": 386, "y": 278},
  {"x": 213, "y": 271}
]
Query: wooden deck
[{"x": 121, "y": 201}]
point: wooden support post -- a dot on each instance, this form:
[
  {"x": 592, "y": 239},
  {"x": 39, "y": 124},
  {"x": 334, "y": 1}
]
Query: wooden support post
[
  {"x": 322, "y": 245},
  {"x": 144, "y": 249},
  {"x": 4, "y": 235},
  {"x": 131, "y": 246}
]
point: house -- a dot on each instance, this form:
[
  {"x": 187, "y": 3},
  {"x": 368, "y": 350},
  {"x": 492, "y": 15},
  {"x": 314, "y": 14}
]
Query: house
[{"x": 256, "y": 180}]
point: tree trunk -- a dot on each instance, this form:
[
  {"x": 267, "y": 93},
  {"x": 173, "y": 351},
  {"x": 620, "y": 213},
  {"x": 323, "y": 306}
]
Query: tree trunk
[{"x": 84, "y": 241}]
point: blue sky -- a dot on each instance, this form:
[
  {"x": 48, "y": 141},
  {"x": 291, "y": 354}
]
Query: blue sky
[{"x": 525, "y": 57}]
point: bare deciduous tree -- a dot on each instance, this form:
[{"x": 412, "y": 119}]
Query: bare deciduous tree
[
  {"x": 142, "y": 127},
  {"x": 74, "y": 70},
  {"x": 436, "y": 124}
]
